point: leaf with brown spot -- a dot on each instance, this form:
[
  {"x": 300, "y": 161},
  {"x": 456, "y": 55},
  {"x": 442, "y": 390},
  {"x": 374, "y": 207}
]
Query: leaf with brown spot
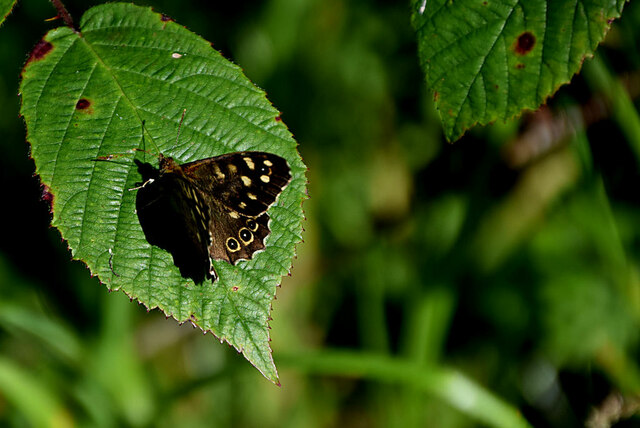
[
  {"x": 528, "y": 48},
  {"x": 84, "y": 97}
]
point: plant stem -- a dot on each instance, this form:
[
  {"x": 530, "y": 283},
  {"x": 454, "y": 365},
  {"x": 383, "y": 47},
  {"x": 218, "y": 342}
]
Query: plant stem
[
  {"x": 449, "y": 385},
  {"x": 64, "y": 14}
]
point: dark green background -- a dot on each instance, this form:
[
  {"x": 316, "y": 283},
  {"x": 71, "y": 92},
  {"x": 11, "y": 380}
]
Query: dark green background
[{"x": 524, "y": 279}]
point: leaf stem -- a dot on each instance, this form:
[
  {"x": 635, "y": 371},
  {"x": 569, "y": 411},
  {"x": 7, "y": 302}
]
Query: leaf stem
[{"x": 64, "y": 14}]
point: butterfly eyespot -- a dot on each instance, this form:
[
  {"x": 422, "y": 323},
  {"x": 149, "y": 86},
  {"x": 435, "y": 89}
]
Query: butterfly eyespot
[
  {"x": 251, "y": 224},
  {"x": 245, "y": 235},
  {"x": 233, "y": 245}
]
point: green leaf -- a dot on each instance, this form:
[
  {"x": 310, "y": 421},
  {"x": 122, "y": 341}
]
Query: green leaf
[
  {"x": 5, "y": 9},
  {"x": 488, "y": 60},
  {"x": 85, "y": 95}
]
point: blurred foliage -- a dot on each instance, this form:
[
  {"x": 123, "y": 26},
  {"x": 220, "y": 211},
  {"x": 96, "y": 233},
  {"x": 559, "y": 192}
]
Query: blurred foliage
[
  {"x": 5, "y": 9},
  {"x": 518, "y": 277}
]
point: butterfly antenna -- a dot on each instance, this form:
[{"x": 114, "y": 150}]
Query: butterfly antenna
[{"x": 184, "y": 111}]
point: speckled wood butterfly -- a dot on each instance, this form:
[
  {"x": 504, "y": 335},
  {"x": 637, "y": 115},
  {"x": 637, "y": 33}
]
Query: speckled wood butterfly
[{"x": 210, "y": 209}]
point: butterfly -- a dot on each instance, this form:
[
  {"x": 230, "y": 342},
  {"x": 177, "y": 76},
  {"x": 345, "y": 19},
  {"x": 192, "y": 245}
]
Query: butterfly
[{"x": 210, "y": 209}]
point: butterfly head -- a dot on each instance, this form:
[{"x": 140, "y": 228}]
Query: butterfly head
[{"x": 167, "y": 164}]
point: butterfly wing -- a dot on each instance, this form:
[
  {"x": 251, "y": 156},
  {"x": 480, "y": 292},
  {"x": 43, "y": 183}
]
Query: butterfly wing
[
  {"x": 245, "y": 182},
  {"x": 176, "y": 219},
  {"x": 242, "y": 186}
]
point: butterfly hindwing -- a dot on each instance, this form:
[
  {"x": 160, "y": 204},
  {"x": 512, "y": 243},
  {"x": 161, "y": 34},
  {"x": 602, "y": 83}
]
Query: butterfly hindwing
[{"x": 237, "y": 238}]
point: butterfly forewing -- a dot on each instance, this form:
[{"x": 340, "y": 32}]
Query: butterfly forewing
[
  {"x": 245, "y": 182},
  {"x": 174, "y": 220}
]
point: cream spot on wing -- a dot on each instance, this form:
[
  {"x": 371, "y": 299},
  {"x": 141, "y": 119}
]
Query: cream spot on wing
[
  {"x": 242, "y": 205},
  {"x": 246, "y": 180},
  {"x": 234, "y": 214},
  {"x": 268, "y": 162},
  {"x": 232, "y": 168},
  {"x": 219, "y": 173},
  {"x": 252, "y": 196},
  {"x": 265, "y": 178},
  {"x": 249, "y": 163}
]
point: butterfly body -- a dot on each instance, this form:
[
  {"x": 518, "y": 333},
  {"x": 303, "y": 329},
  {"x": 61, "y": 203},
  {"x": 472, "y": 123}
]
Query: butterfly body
[{"x": 215, "y": 208}]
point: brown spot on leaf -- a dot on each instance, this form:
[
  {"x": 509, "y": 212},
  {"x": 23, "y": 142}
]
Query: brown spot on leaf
[
  {"x": 278, "y": 119},
  {"x": 47, "y": 196},
  {"x": 83, "y": 104},
  {"x": 525, "y": 43},
  {"x": 235, "y": 288},
  {"x": 41, "y": 49},
  {"x": 436, "y": 96},
  {"x": 165, "y": 18},
  {"x": 519, "y": 66}
]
